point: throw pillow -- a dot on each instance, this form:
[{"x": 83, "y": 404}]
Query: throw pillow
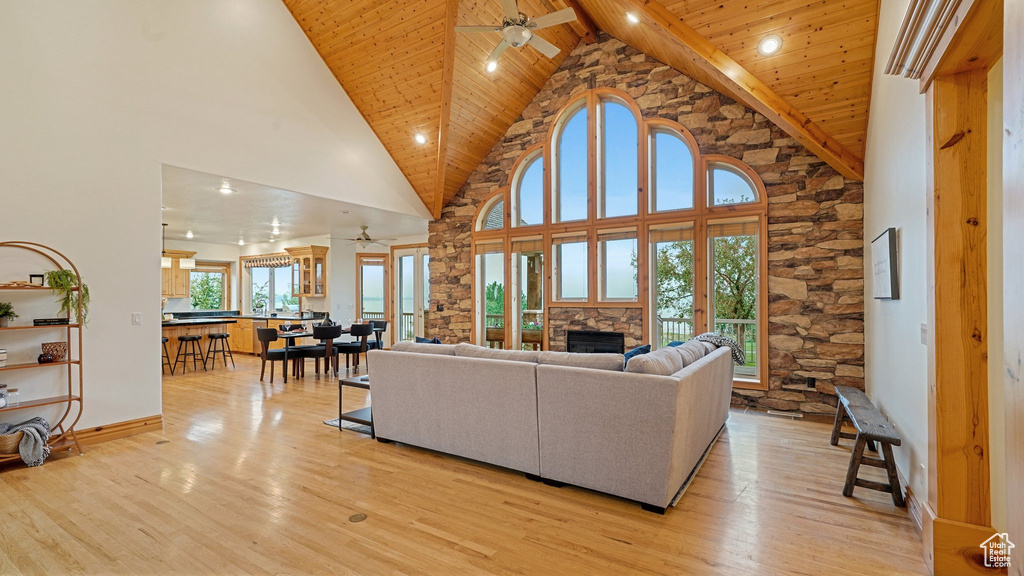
[
  {"x": 421, "y": 340},
  {"x": 646, "y": 348},
  {"x": 675, "y": 343}
]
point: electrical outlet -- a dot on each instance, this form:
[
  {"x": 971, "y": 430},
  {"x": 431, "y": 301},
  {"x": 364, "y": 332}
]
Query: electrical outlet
[
  {"x": 136, "y": 318},
  {"x": 440, "y": 307}
]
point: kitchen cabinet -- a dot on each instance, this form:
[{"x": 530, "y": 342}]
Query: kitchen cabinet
[
  {"x": 309, "y": 271},
  {"x": 175, "y": 282},
  {"x": 240, "y": 336}
]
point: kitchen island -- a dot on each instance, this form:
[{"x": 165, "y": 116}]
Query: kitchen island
[{"x": 241, "y": 328}]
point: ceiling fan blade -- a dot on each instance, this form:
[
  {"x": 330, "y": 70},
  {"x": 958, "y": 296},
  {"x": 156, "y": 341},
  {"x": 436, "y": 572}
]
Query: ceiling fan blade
[
  {"x": 510, "y": 8},
  {"x": 478, "y": 28},
  {"x": 553, "y": 19},
  {"x": 544, "y": 47},
  {"x": 496, "y": 53}
]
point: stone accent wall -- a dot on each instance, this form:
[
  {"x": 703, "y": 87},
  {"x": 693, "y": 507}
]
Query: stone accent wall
[
  {"x": 815, "y": 242},
  {"x": 629, "y": 321}
]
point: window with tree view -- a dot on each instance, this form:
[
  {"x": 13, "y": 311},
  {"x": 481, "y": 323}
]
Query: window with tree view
[
  {"x": 208, "y": 284},
  {"x": 270, "y": 290}
]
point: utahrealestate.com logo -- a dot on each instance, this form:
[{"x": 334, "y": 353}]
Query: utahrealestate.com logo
[{"x": 997, "y": 551}]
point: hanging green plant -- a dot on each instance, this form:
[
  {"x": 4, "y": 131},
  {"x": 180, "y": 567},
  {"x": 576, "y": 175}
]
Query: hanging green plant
[{"x": 63, "y": 284}]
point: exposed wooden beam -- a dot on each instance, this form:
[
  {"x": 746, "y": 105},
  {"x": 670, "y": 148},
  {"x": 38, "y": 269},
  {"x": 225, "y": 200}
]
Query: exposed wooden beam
[
  {"x": 583, "y": 24},
  {"x": 447, "y": 74},
  {"x": 741, "y": 84}
]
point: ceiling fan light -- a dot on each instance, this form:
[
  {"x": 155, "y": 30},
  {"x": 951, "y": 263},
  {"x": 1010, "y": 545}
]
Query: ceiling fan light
[
  {"x": 632, "y": 18},
  {"x": 492, "y": 65}
]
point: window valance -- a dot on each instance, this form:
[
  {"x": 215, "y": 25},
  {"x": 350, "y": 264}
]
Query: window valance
[{"x": 269, "y": 261}]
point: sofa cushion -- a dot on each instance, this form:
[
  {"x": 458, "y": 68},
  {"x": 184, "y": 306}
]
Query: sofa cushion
[
  {"x": 691, "y": 352},
  {"x": 613, "y": 362},
  {"x": 473, "y": 351},
  {"x": 638, "y": 351},
  {"x": 443, "y": 349},
  {"x": 662, "y": 362}
]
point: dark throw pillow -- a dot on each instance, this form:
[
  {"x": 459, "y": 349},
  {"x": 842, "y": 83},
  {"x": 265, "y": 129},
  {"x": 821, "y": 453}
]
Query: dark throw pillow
[
  {"x": 420, "y": 340},
  {"x": 646, "y": 348},
  {"x": 675, "y": 343}
]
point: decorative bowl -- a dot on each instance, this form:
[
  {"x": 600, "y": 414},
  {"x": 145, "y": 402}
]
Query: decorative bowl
[{"x": 58, "y": 350}]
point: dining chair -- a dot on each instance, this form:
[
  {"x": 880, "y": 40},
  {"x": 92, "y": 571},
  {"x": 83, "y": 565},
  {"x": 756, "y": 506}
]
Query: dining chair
[
  {"x": 379, "y": 328},
  {"x": 266, "y": 336},
  {"x": 356, "y": 347},
  {"x": 326, "y": 349}
]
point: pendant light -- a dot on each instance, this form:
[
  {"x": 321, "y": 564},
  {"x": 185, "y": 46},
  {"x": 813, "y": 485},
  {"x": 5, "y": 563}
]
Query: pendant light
[{"x": 165, "y": 260}]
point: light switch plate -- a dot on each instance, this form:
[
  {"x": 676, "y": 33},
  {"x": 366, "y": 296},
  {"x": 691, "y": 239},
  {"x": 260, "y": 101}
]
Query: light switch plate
[
  {"x": 136, "y": 318},
  {"x": 924, "y": 334}
]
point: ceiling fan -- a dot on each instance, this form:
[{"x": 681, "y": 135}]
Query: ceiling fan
[
  {"x": 518, "y": 29},
  {"x": 364, "y": 239}
]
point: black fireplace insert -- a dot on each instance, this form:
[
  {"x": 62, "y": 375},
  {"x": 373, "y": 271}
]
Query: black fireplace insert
[{"x": 592, "y": 342}]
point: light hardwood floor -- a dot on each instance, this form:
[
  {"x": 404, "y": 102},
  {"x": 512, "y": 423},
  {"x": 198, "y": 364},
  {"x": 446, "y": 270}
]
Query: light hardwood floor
[{"x": 245, "y": 479}]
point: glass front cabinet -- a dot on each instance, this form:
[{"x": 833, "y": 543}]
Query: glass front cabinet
[{"x": 309, "y": 270}]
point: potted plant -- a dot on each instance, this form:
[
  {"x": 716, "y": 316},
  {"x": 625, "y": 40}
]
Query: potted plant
[
  {"x": 6, "y": 313},
  {"x": 63, "y": 283}
]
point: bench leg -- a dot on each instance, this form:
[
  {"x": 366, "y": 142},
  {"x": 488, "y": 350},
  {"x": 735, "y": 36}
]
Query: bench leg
[
  {"x": 855, "y": 458},
  {"x": 894, "y": 479},
  {"x": 838, "y": 426}
]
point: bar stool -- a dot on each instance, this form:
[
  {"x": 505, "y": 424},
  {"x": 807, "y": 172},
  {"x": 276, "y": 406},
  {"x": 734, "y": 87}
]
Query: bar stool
[
  {"x": 219, "y": 345},
  {"x": 167, "y": 357},
  {"x": 184, "y": 351}
]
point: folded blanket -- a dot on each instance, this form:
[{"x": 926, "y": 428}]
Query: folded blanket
[
  {"x": 33, "y": 447},
  {"x": 739, "y": 356}
]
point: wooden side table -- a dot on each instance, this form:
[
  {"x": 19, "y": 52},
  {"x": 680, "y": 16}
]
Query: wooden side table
[{"x": 362, "y": 416}]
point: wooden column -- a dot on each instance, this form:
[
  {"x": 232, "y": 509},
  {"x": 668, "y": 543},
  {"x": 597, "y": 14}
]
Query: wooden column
[
  {"x": 1013, "y": 272},
  {"x": 958, "y": 514}
]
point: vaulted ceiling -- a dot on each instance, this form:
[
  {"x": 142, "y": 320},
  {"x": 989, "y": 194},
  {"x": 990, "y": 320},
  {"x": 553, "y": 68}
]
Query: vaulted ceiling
[{"x": 408, "y": 73}]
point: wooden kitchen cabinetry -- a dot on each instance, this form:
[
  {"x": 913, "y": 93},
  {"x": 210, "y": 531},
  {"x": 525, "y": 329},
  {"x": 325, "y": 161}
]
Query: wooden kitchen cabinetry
[
  {"x": 175, "y": 282},
  {"x": 240, "y": 336},
  {"x": 309, "y": 270}
]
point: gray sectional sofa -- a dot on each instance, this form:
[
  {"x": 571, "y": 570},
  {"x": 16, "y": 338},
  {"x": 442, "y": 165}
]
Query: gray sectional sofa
[{"x": 565, "y": 418}]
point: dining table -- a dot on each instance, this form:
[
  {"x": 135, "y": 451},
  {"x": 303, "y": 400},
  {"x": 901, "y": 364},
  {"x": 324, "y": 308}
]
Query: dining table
[{"x": 289, "y": 341}]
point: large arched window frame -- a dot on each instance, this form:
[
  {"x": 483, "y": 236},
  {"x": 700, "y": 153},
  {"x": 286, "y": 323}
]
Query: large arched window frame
[{"x": 701, "y": 220}]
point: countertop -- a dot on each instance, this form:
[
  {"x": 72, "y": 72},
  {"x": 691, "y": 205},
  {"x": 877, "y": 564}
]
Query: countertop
[{"x": 199, "y": 321}]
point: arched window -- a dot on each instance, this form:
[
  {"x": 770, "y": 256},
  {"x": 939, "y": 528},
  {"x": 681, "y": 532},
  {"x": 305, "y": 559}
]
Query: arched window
[
  {"x": 671, "y": 171},
  {"x": 637, "y": 219},
  {"x": 618, "y": 178},
  {"x": 492, "y": 217},
  {"x": 729, "y": 185},
  {"x": 571, "y": 168},
  {"x": 528, "y": 193}
]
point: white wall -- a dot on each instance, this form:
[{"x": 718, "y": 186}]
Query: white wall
[
  {"x": 113, "y": 89},
  {"x": 895, "y": 193}
]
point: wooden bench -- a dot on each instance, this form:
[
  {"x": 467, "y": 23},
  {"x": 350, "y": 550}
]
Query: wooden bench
[{"x": 871, "y": 426}]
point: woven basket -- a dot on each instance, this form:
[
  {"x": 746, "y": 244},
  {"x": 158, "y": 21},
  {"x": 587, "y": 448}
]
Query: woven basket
[
  {"x": 9, "y": 442},
  {"x": 59, "y": 350}
]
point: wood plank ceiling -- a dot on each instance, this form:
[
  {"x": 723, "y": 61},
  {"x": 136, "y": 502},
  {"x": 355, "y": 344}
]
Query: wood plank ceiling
[{"x": 407, "y": 73}]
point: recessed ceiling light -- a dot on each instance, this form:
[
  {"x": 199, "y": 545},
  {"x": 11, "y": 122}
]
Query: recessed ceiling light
[
  {"x": 492, "y": 65},
  {"x": 632, "y": 18},
  {"x": 769, "y": 45},
  {"x": 188, "y": 234},
  {"x": 420, "y": 138},
  {"x": 276, "y": 230},
  {"x": 225, "y": 188},
  {"x": 241, "y": 242},
  {"x": 275, "y": 223},
  {"x": 272, "y": 239}
]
